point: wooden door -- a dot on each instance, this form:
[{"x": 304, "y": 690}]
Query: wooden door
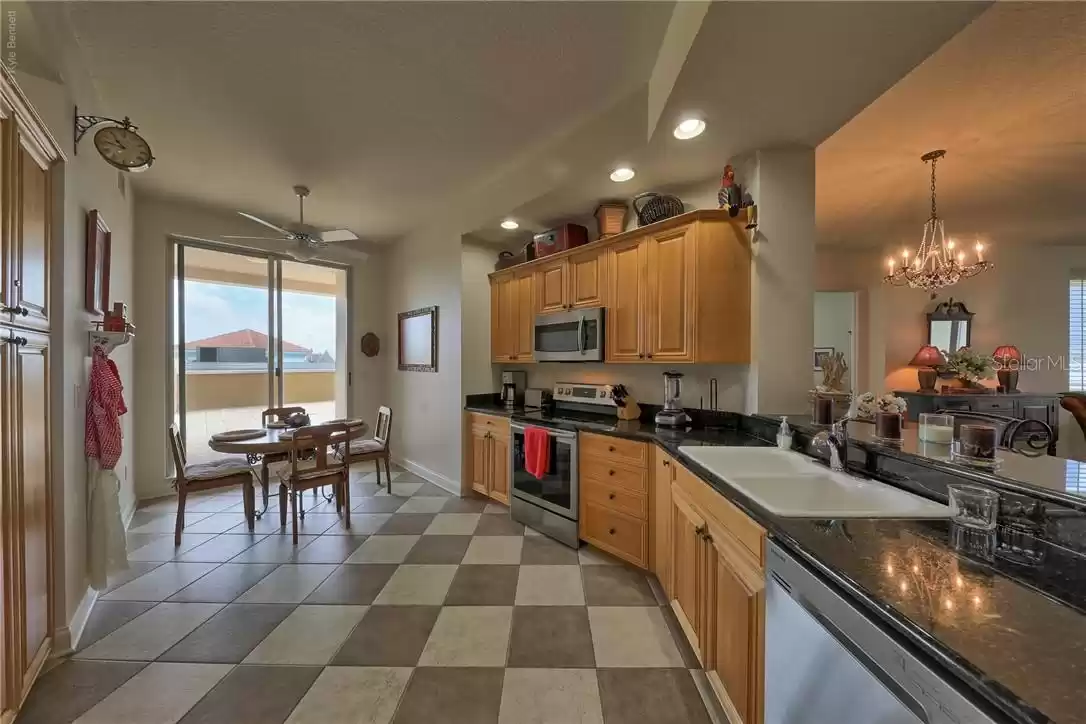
[
  {"x": 735, "y": 602},
  {"x": 499, "y": 467},
  {"x": 587, "y": 279},
  {"x": 669, "y": 319},
  {"x": 550, "y": 286},
  {"x": 30, "y": 253},
  {"x": 480, "y": 459},
  {"x": 525, "y": 318},
  {"x": 503, "y": 315},
  {"x": 30, "y": 408},
  {"x": 663, "y": 476},
  {"x": 625, "y": 302},
  {"x": 686, "y": 564}
]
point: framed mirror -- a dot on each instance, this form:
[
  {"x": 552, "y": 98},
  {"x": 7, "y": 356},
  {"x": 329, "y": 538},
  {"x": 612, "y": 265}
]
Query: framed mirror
[
  {"x": 950, "y": 326},
  {"x": 418, "y": 340}
]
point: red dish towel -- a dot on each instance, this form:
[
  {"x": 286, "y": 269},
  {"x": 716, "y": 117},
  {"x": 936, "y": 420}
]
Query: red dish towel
[{"x": 537, "y": 451}]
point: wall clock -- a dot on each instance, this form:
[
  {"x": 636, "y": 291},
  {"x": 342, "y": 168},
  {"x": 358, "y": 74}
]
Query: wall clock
[{"x": 116, "y": 141}]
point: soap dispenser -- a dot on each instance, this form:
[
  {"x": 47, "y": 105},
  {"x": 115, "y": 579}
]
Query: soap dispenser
[{"x": 784, "y": 435}]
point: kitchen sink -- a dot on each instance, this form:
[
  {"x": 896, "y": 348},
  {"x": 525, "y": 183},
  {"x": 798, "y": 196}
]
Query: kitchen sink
[{"x": 792, "y": 485}]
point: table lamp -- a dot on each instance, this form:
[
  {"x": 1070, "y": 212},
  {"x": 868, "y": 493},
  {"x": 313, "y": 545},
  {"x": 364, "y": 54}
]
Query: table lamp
[
  {"x": 927, "y": 359},
  {"x": 1008, "y": 358}
]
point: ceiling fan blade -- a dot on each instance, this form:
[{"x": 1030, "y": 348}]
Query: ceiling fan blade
[
  {"x": 338, "y": 235},
  {"x": 257, "y": 238},
  {"x": 268, "y": 224}
]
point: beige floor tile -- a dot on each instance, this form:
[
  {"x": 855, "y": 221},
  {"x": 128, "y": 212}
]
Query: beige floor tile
[
  {"x": 423, "y": 504},
  {"x": 289, "y": 583},
  {"x": 309, "y": 636},
  {"x": 274, "y": 549},
  {"x": 160, "y": 583},
  {"x": 365, "y": 523},
  {"x": 163, "y": 549},
  {"x": 149, "y": 635},
  {"x": 384, "y": 549},
  {"x": 469, "y": 636},
  {"x": 215, "y": 523},
  {"x": 453, "y": 524},
  {"x": 593, "y": 557},
  {"x": 494, "y": 549},
  {"x": 497, "y": 508},
  {"x": 416, "y": 586},
  {"x": 550, "y": 696},
  {"x": 400, "y": 490},
  {"x": 352, "y": 695},
  {"x": 160, "y": 694},
  {"x": 166, "y": 522},
  {"x": 550, "y": 586},
  {"x": 528, "y": 531},
  {"x": 626, "y": 636}
]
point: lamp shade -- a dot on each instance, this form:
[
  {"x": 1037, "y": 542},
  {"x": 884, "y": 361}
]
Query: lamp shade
[
  {"x": 1007, "y": 353},
  {"x": 928, "y": 356}
]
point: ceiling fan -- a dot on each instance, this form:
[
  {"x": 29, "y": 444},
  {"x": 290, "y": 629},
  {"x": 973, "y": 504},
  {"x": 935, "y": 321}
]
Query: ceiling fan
[{"x": 309, "y": 239}]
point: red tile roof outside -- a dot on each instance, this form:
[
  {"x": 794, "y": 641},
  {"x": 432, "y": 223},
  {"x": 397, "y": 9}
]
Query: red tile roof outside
[{"x": 248, "y": 338}]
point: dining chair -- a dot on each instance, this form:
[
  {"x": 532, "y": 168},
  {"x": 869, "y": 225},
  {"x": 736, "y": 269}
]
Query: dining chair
[
  {"x": 279, "y": 414},
  {"x": 274, "y": 414},
  {"x": 375, "y": 448},
  {"x": 299, "y": 473},
  {"x": 223, "y": 472}
]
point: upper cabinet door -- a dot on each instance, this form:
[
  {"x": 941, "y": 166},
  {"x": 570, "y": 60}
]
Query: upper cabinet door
[
  {"x": 550, "y": 286},
  {"x": 525, "y": 318},
  {"x": 588, "y": 279},
  {"x": 671, "y": 304},
  {"x": 30, "y": 186},
  {"x": 503, "y": 315},
  {"x": 625, "y": 302}
]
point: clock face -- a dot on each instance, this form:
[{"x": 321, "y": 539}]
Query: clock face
[{"x": 123, "y": 148}]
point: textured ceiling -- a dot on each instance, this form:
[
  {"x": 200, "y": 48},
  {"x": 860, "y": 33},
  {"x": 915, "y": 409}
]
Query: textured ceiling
[
  {"x": 383, "y": 109},
  {"x": 1006, "y": 98}
]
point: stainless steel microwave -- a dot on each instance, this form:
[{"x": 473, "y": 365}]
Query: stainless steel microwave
[{"x": 574, "y": 336}]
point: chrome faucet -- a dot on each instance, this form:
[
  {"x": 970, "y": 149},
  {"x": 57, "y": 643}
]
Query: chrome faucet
[{"x": 836, "y": 439}]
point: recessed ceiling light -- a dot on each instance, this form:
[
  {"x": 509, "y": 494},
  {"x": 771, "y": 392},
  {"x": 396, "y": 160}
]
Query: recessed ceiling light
[
  {"x": 689, "y": 128},
  {"x": 509, "y": 225},
  {"x": 622, "y": 174}
]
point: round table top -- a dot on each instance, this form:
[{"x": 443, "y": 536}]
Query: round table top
[{"x": 269, "y": 442}]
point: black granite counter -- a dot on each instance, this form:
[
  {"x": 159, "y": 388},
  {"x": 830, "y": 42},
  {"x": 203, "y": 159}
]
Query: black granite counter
[{"x": 1010, "y": 629}]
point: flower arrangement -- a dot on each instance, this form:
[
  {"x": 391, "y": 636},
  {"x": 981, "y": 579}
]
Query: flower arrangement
[
  {"x": 970, "y": 366},
  {"x": 868, "y": 404}
]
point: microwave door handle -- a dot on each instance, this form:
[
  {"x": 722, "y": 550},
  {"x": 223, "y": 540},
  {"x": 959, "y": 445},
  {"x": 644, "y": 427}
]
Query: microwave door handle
[{"x": 580, "y": 334}]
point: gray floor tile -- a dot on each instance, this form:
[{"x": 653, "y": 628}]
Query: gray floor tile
[
  {"x": 163, "y": 549},
  {"x": 274, "y": 549},
  {"x": 225, "y": 583},
  {"x": 439, "y": 549},
  {"x": 427, "y": 490},
  {"x": 406, "y": 524},
  {"x": 483, "y": 586},
  {"x": 650, "y": 696},
  {"x": 229, "y": 635},
  {"x": 551, "y": 637},
  {"x": 616, "y": 586},
  {"x": 464, "y": 505},
  {"x": 289, "y": 583},
  {"x": 423, "y": 504},
  {"x": 160, "y": 583},
  {"x": 148, "y": 636},
  {"x": 330, "y": 549},
  {"x": 388, "y": 636},
  {"x": 365, "y": 523},
  {"x": 135, "y": 570},
  {"x": 221, "y": 548},
  {"x": 352, "y": 695},
  {"x": 108, "y": 616},
  {"x": 551, "y": 696},
  {"x": 215, "y": 523},
  {"x": 452, "y": 696},
  {"x": 159, "y": 694},
  {"x": 162, "y": 522},
  {"x": 386, "y": 504},
  {"x": 686, "y": 651},
  {"x": 542, "y": 551},
  {"x": 254, "y": 695},
  {"x": 353, "y": 584},
  {"x": 64, "y": 693},
  {"x": 498, "y": 525}
]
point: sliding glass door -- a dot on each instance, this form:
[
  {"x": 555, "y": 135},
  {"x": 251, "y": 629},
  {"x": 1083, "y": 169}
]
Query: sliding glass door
[{"x": 252, "y": 332}]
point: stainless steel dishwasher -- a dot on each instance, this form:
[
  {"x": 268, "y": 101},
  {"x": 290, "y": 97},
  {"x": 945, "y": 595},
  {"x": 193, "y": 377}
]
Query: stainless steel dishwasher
[{"x": 828, "y": 663}]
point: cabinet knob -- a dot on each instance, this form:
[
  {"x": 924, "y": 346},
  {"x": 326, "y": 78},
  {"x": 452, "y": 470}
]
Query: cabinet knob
[
  {"x": 611, "y": 531},
  {"x": 610, "y": 448},
  {"x": 17, "y": 341},
  {"x": 610, "y": 496},
  {"x": 667, "y": 463},
  {"x": 610, "y": 472},
  {"x": 641, "y": 356},
  {"x": 18, "y": 310},
  {"x": 650, "y": 355}
]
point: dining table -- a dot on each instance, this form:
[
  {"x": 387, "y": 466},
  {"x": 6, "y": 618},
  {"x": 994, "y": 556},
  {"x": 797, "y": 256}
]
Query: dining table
[{"x": 271, "y": 446}]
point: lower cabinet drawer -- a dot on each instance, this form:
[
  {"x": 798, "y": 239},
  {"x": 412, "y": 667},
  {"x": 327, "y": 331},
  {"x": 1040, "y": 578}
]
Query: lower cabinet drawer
[
  {"x": 615, "y": 498},
  {"x": 616, "y": 533},
  {"x": 633, "y": 479}
]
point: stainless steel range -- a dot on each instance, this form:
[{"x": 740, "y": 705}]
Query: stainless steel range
[{"x": 550, "y": 504}]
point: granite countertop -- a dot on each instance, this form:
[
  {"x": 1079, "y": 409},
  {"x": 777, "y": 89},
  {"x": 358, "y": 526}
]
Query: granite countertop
[{"x": 1010, "y": 630}]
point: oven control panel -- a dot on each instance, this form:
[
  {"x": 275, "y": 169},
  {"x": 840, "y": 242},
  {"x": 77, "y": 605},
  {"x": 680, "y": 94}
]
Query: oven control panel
[{"x": 584, "y": 393}]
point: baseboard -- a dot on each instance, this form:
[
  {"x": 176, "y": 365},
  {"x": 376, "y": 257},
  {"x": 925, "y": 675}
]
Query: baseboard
[
  {"x": 66, "y": 638},
  {"x": 426, "y": 473}
]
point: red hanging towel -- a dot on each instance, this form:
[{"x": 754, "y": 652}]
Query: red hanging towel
[{"x": 537, "y": 451}]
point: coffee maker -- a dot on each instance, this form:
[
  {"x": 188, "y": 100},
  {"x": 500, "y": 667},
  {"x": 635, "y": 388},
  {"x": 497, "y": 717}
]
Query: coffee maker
[{"x": 513, "y": 384}]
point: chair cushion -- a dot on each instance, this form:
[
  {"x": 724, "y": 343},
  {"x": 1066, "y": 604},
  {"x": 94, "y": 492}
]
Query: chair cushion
[
  {"x": 218, "y": 468},
  {"x": 281, "y": 470},
  {"x": 359, "y": 446}
]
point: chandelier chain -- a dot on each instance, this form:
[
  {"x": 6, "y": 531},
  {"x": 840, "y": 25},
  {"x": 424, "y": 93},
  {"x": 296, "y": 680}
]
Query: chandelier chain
[{"x": 934, "y": 213}]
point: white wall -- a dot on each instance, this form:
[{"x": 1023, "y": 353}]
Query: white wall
[
  {"x": 156, "y": 219},
  {"x": 834, "y": 318},
  {"x": 477, "y": 374}
]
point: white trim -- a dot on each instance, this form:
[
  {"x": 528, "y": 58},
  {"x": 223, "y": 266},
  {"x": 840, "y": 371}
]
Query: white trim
[
  {"x": 66, "y": 638},
  {"x": 426, "y": 473}
]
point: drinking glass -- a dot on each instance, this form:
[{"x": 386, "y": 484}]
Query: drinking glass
[{"x": 973, "y": 506}]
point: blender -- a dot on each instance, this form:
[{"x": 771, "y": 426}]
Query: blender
[{"x": 672, "y": 415}]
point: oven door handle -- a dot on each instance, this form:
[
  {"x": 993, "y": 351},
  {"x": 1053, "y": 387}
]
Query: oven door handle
[
  {"x": 580, "y": 334},
  {"x": 560, "y": 434}
]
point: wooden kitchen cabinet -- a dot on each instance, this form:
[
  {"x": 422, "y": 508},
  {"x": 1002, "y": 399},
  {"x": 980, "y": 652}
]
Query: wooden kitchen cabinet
[
  {"x": 587, "y": 273},
  {"x": 499, "y": 464},
  {"x": 512, "y": 317},
  {"x": 626, "y": 302},
  {"x": 28, "y": 259},
  {"x": 486, "y": 455},
  {"x": 687, "y": 565},
  {"x": 660, "y": 518},
  {"x": 669, "y": 303},
  {"x": 550, "y": 281},
  {"x": 614, "y": 505}
]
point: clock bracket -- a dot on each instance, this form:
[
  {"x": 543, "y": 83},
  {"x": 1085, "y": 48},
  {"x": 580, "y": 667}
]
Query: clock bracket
[{"x": 86, "y": 123}]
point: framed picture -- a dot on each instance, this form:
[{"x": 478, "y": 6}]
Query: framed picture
[
  {"x": 98, "y": 243},
  {"x": 820, "y": 355},
  {"x": 418, "y": 340}
]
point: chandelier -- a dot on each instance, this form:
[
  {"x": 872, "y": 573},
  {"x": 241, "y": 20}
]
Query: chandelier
[{"x": 937, "y": 263}]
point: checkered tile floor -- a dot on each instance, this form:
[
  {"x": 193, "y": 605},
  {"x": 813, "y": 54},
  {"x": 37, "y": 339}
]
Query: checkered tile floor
[{"x": 430, "y": 609}]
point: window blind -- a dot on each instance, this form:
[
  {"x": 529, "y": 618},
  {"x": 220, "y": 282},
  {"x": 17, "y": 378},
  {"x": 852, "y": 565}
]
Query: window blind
[{"x": 1076, "y": 334}]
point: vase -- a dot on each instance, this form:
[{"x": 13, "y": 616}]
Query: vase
[{"x": 888, "y": 425}]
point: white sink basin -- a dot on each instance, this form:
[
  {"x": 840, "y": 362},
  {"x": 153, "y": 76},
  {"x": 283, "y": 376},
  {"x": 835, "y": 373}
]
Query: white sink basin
[{"x": 792, "y": 485}]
